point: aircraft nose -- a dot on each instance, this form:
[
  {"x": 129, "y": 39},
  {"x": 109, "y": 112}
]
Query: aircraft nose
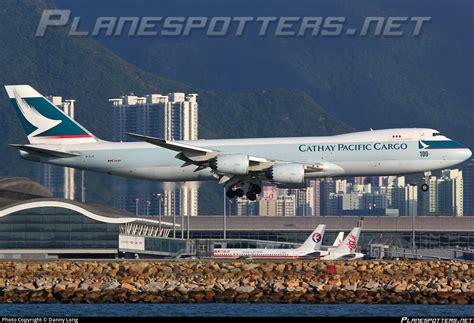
[
  {"x": 468, "y": 154},
  {"x": 464, "y": 154}
]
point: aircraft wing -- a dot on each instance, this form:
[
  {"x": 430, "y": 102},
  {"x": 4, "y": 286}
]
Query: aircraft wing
[
  {"x": 172, "y": 145},
  {"x": 189, "y": 153},
  {"x": 203, "y": 158}
]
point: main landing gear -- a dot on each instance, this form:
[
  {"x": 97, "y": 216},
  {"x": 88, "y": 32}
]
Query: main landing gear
[
  {"x": 231, "y": 193},
  {"x": 252, "y": 192},
  {"x": 426, "y": 180}
]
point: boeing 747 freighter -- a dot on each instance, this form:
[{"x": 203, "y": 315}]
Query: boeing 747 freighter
[{"x": 56, "y": 139}]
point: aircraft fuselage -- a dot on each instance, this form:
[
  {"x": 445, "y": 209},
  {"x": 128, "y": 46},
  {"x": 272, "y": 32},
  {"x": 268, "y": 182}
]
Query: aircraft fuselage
[{"x": 377, "y": 152}]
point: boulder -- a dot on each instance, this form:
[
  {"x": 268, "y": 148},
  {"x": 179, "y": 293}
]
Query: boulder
[
  {"x": 128, "y": 287},
  {"x": 245, "y": 289},
  {"x": 455, "y": 283},
  {"x": 400, "y": 288}
]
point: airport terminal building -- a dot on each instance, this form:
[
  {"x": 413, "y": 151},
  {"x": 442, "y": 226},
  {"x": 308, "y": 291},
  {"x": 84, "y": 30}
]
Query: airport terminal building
[
  {"x": 35, "y": 225},
  {"x": 430, "y": 231}
]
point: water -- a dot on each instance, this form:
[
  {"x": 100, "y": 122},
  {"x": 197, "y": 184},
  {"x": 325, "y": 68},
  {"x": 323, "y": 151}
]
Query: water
[{"x": 75, "y": 310}]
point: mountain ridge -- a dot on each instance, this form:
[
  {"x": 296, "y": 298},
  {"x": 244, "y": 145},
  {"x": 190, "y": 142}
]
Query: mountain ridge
[{"x": 82, "y": 69}]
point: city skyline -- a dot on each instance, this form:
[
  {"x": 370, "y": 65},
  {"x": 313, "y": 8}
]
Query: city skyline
[{"x": 367, "y": 195}]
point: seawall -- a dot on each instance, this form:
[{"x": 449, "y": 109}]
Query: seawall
[{"x": 422, "y": 282}]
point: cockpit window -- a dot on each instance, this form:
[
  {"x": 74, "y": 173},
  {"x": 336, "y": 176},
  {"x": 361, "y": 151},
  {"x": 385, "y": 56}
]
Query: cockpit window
[{"x": 436, "y": 134}]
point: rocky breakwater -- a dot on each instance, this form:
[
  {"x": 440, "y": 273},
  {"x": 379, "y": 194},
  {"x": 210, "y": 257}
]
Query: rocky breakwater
[{"x": 427, "y": 282}]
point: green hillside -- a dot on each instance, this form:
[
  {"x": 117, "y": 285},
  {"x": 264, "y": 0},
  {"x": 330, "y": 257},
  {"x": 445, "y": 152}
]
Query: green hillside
[{"x": 82, "y": 69}]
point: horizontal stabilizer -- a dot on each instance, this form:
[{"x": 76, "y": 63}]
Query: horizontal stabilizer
[{"x": 44, "y": 152}]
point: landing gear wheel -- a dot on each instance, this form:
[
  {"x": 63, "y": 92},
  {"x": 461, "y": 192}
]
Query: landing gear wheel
[
  {"x": 425, "y": 187},
  {"x": 256, "y": 188},
  {"x": 230, "y": 193},
  {"x": 239, "y": 192},
  {"x": 251, "y": 196}
]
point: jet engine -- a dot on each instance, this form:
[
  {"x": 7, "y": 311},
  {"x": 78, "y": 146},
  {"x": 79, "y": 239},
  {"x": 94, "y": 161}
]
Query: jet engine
[
  {"x": 236, "y": 164},
  {"x": 287, "y": 173}
]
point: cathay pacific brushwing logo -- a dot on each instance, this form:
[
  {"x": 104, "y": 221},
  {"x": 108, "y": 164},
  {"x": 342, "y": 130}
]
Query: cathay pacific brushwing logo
[
  {"x": 423, "y": 145},
  {"x": 41, "y": 123}
]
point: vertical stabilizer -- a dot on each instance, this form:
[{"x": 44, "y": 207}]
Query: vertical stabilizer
[
  {"x": 43, "y": 122},
  {"x": 349, "y": 245},
  {"x": 313, "y": 242},
  {"x": 339, "y": 239}
]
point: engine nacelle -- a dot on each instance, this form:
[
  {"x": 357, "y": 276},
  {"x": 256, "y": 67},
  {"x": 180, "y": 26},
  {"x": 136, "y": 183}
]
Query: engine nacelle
[
  {"x": 287, "y": 173},
  {"x": 231, "y": 164}
]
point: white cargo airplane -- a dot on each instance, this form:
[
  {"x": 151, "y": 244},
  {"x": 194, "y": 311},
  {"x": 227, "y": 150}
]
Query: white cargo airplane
[
  {"x": 346, "y": 250},
  {"x": 56, "y": 139},
  {"x": 308, "y": 250}
]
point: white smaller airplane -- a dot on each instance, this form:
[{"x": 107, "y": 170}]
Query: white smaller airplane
[
  {"x": 339, "y": 239},
  {"x": 346, "y": 250},
  {"x": 308, "y": 250}
]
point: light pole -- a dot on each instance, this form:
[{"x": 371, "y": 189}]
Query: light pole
[
  {"x": 159, "y": 196},
  {"x": 187, "y": 228},
  {"x": 225, "y": 224},
  {"x": 147, "y": 204},
  {"x": 83, "y": 188},
  {"x": 413, "y": 230},
  {"x": 174, "y": 220},
  {"x": 136, "y": 206}
]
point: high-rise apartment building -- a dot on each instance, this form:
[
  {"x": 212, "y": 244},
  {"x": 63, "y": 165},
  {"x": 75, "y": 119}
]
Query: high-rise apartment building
[
  {"x": 316, "y": 185},
  {"x": 450, "y": 192},
  {"x": 430, "y": 198},
  {"x": 286, "y": 205},
  {"x": 304, "y": 200},
  {"x": 468, "y": 188},
  {"x": 172, "y": 117},
  {"x": 267, "y": 203},
  {"x": 411, "y": 200},
  {"x": 328, "y": 187}
]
